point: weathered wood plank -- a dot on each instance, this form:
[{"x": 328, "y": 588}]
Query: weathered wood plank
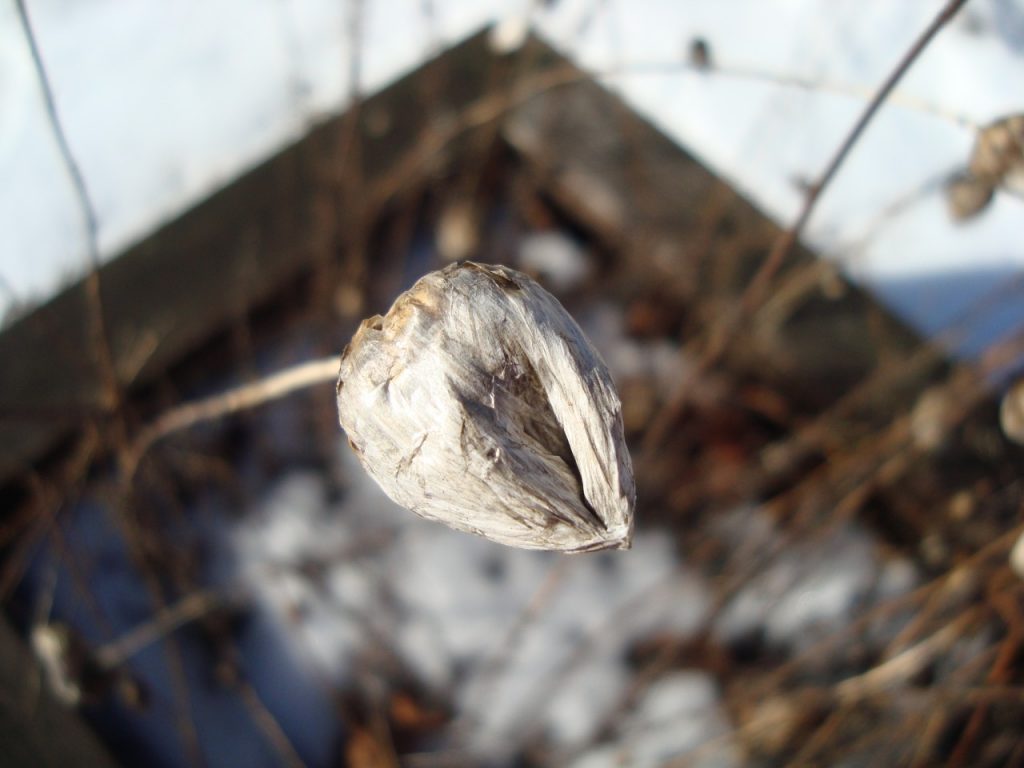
[
  {"x": 683, "y": 229},
  {"x": 171, "y": 291}
]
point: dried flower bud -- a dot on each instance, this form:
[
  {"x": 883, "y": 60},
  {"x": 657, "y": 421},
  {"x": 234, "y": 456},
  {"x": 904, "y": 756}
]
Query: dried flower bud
[
  {"x": 967, "y": 196},
  {"x": 998, "y": 154},
  {"x": 477, "y": 402}
]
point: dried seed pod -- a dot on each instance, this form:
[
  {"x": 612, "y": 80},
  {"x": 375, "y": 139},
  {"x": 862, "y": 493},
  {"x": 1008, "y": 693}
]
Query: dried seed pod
[
  {"x": 998, "y": 154},
  {"x": 967, "y": 196},
  {"x": 477, "y": 402}
]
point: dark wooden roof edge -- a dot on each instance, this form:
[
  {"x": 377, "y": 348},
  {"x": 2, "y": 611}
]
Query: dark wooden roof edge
[
  {"x": 625, "y": 179},
  {"x": 227, "y": 253}
]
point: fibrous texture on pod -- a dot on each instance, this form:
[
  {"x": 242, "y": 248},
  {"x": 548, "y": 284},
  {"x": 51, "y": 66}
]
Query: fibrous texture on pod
[{"x": 477, "y": 402}]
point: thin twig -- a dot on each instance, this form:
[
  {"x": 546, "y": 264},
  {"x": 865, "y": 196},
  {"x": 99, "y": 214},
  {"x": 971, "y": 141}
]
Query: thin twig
[
  {"x": 784, "y": 244},
  {"x": 786, "y": 80},
  {"x": 196, "y": 605},
  {"x": 267, "y": 723},
  {"x": 486, "y": 678},
  {"x": 904, "y": 666},
  {"x": 849, "y": 251},
  {"x": 101, "y": 338},
  {"x": 240, "y": 398},
  {"x": 725, "y": 331},
  {"x": 73, "y": 169}
]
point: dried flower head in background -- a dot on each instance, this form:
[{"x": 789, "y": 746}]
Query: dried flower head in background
[
  {"x": 997, "y": 162},
  {"x": 967, "y": 196},
  {"x": 477, "y": 402},
  {"x": 998, "y": 154}
]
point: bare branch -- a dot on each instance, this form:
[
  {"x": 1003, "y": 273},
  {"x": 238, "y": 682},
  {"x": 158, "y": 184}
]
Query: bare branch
[{"x": 240, "y": 398}]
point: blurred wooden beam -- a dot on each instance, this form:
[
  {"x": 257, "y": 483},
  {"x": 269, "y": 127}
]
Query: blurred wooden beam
[
  {"x": 169, "y": 293},
  {"x": 690, "y": 233}
]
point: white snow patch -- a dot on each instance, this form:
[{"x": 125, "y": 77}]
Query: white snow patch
[
  {"x": 812, "y": 588},
  {"x": 659, "y": 361},
  {"x": 559, "y": 260},
  {"x": 159, "y": 120},
  {"x": 679, "y": 717},
  {"x": 523, "y": 639},
  {"x": 510, "y": 33}
]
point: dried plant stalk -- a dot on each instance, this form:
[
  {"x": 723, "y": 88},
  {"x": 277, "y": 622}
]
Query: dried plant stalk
[{"x": 477, "y": 402}]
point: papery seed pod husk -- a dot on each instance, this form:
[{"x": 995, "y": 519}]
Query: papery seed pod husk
[
  {"x": 478, "y": 402},
  {"x": 967, "y": 196},
  {"x": 998, "y": 154}
]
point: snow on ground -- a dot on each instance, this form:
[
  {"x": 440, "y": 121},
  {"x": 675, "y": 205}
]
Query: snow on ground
[
  {"x": 811, "y": 591},
  {"x": 530, "y": 643},
  {"x": 767, "y": 138},
  {"x": 164, "y": 103},
  {"x": 526, "y": 640},
  {"x": 556, "y": 259},
  {"x": 679, "y": 716}
]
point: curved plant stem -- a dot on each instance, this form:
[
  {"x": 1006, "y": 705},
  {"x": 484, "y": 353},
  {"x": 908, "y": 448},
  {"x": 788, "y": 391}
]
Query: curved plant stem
[
  {"x": 104, "y": 355},
  {"x": 785, "y": 242},
  {"x": 240, "y": 398},
  {"x": 733, "y": 323}
]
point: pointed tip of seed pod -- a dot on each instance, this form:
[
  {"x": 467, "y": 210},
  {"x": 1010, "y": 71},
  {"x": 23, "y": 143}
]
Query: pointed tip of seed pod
[
  {"x": 478, "y": 402},
  {"x": 622, "y": 538}
]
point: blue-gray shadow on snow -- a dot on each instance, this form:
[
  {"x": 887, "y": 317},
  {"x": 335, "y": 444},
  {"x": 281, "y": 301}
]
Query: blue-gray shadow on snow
[{"x": 967, "y": 310}]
